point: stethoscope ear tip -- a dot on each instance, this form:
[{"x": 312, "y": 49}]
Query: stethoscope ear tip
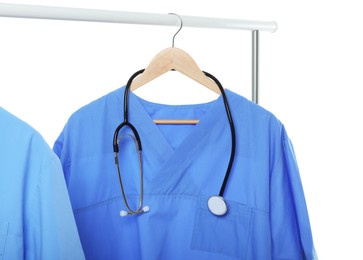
[{"x": 123, "y": 213}]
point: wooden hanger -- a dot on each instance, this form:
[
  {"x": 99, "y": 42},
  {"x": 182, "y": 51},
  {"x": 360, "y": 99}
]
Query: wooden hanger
[{"x": 174, "y": 59}]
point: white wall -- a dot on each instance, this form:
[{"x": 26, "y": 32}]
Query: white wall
[{"x": 310, "y": 78}]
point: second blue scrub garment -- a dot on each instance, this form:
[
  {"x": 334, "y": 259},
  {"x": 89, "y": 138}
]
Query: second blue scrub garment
[
  {"x": 36, "y": 220},
  {"x": 267, "y": 216}
]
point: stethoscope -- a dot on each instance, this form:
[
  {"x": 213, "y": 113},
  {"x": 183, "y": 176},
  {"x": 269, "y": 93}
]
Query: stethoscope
[{"x": 216, "y": 203}]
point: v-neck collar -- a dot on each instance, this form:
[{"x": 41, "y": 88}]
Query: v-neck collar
[
  {"x": 161, "y": 157},
  {"x": 152, "y": 131}
]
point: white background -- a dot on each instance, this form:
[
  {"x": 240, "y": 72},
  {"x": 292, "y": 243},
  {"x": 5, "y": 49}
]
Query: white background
[{"x": 310, "y": 78}]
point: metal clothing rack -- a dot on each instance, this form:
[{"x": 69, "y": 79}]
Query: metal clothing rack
[{"x": 93, "y": 15}]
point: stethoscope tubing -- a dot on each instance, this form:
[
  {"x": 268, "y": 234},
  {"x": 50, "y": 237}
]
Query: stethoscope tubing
[
  {"x": 233, "y": 132},
  {"x": 138, "y": 140}
]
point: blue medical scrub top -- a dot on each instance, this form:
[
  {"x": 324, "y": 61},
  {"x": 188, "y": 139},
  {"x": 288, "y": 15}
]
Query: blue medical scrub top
[
  {"x": 36, "y": 220},
  {"x": 183, "y": 165}
]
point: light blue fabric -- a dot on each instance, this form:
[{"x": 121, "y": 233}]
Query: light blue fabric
[
  {"x": 36, "y": 220},
  {"x": 183, "y": 165}
]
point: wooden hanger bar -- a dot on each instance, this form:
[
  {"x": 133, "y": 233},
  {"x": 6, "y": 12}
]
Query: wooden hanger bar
[{"x": 175, "y": 122}]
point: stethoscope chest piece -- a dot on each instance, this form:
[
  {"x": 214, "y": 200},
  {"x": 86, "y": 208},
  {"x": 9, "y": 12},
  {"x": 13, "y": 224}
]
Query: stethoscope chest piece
[{"x": 217, "y": 205}]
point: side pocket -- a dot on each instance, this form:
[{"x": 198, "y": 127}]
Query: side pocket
[
  {"x": 11, "y": 244},
  {"x": 228, "y": 235},
  {"x": 4, "y": 227}
]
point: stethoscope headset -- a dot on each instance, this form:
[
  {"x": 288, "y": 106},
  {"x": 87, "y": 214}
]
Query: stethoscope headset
[{"x": 216, "y": 203}]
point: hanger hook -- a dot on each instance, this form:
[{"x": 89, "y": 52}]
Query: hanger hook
[{"x": 181, "y": 26}]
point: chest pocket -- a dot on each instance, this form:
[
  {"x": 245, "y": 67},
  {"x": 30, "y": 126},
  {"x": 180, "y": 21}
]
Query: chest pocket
[{"x": 227, "y": 235}]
